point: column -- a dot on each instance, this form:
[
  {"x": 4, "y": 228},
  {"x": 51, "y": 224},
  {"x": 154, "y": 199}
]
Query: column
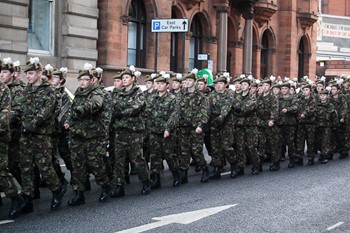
[
  {"x": 222, "y": 40},
  {"x": 248, "y": 38}
]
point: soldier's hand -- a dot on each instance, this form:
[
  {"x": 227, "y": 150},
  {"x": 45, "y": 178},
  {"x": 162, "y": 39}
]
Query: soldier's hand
[
  {"x": 199, "y": 130},
  {"x": 342, "y": 120},
  {"x": 166, "y": 134},
  {"x": 270, "y": 123},
  {"x": 66, "y": 126},
  {"x": 302, "y": 116},
  {"x": 284, "y": 110}
]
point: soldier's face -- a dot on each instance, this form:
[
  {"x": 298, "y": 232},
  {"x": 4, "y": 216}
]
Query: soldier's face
[
  {"x": 220, "y": 86},
  {"x": 292, "y": 91},
  {"x": 55, "y": 80},
  {"x": 323, "y": 97},
  {"x": 162, "y": 86},
  {"x": 33, "y": 76},
  {"x": 266, "y": 87},
  {"x": 345, "y": 84},
  {"x": 85, "y": 81},
  {"x": 253, "y": 90},
  {"x": 202, "y": 86},
  {"x": 6, "y": 76},
  {"x": 285, "y": 90},
  {"x": 276, "y": 90},
  {"x": 127, "y": 80},
  {"x": 334, "y": 90},
  {"x": 245, "y": 86},
  {"x": 175, "y": 85},
  {"x": 18, "y": 75},
  {"x": 319, "y": 87},
  {"x": 238, "y": 86},
  {"x": 118, "y": 83},
  {"x": 306, "y": 91},
  {"x": 149, "y": 85},
  {"x": 190, "y": 82}
]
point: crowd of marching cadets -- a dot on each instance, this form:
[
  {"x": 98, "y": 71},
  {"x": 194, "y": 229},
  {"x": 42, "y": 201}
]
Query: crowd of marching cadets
[{"x": 242, "y": 121}]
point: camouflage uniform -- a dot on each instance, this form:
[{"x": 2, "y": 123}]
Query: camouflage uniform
[
  {"x": 162, "y": 115},
  {"x": 267, "y": 110},
  {"x": 339, "y": 133},
  {"x": 149, "y": 95},
  {"x": 306, "y": 127},
  {"x": 287, "y": 123},
  {"x": 129, "y": 127},
  {"x": 326, "y": 120},
  {"x": 207, "y": 138},
  {"x": 86, "y": 123},
  {"x": 36, "y": 139},
  {"x": 15, "y": 125}
]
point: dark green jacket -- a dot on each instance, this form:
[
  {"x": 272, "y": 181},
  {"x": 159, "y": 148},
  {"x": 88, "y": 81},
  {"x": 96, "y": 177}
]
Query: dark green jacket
[
  {"x": 291, "y": 104},
  {"x": 5, "y": 109},
  {"x": 16, "y": 90}
]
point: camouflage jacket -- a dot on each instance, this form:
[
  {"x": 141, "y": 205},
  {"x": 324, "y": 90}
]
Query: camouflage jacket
[
  {"x": 207, "y": 92},
  {"x": 326, "y": 114},
  {"x": 220, "y": 108},
  {"x": 291, "y": 104},
  {"x": 266, "y": 109},
  {"x": 107, "y": 109},
  {"x": 162, "y": 113},
  {"x": 193, "y": 109},
  {"x": 247, "y": 115},
  {"x": 306, "y": 106},
  {"x": 131, "y": 104},
  {"x": 16, "y": 90},
  {"x": 65, "y": 103},
  {"x": 90, "y": 123},
  {"x": 39, "y": 104},
  {"x": 5, "y": 109},
  {"x": 340, "y": 105}
]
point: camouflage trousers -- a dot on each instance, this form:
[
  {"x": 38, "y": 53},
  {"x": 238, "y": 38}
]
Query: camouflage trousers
[
  {"x": 37, "y": 150},
  {"x": 323, "y": 140},
  {"x": 8, "y": 184},
  {"x": 62, "y": 147},
  {"x": 306, "y": 133},
  {"x": 247, "y": 143},
  {"x": 222, "y": 146},
  {"x": 272, "y": 143},
  {"x": 128, "y": 146},
  {"x": 14, "y": 159},
  {"x": 338, "y": 138},
  {"x": 191, "y": 144},
  {"x": 163, "y": 148},
  {"x": 287, "y": 133},
  {"x": 87, "y": 157}
]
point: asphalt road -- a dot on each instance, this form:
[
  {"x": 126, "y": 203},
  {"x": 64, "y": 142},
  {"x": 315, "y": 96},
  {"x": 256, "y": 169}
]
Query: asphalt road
[{"x": 302, "y": 199}]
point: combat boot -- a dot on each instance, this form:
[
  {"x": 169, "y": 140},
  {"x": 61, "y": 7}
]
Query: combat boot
[
  {"x": 291, "y": 163},
  {"x": 255, "y": 170},
  {"x": 261, "y": 166},
  {"x": 215, "y": 174},
  {"x": 184, "y": 179},
  {"x": 299, "y": 161},
  {"x": 311, "y": 161},
  {"x": 105, "y": 193},
  {"x": 17, "y": 205},
  {"x": 323, "y": 159},
  {"x": 205, "y": 175},
  {"x": 177, "y": 178},
  {"x": 57, "y": 198},
  {"x": 27, "y": 205},
  {"x": 275, "y": 166},
  {"x": 155, "y": 178},
  {"x": 146, "y": 188},
  {"x": 233, "y": 169},
  {"x": 117, "y": 191},
  {"x": 79, "y": 199}
]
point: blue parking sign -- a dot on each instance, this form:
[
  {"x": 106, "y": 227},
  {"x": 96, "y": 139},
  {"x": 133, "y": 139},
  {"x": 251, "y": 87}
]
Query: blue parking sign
[{"x": 156, "y": 26}]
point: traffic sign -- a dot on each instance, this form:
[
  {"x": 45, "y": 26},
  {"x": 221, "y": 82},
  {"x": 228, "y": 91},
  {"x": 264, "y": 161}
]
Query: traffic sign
[{"x": 169, "y": 25}]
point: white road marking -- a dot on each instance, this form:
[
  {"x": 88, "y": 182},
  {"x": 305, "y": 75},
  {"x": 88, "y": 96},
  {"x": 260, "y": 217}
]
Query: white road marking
[
  {"x": 181, "y": 218},
  {"x": 6, "y": 221},
  {"x": 335, "y": 226}
]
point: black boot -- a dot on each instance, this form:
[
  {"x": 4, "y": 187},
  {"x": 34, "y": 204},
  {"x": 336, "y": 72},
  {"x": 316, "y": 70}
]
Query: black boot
[
  {"x": 275, "y": 166},
  {"x": 64, "y": 184},
  {"x": 27, "y": 205},
  {"x": 255, "y": 170},
  {"x": 233, "y": 169},
  {"x": 261, "y": 166},
  {"x": 177, "y": 178},
  {"x": 57, "y": 198},
  {"x": 311, "y": 161},
  {"x": 291, "y": 163},
  {"x": 184, "y": 179},
  {"x": 17, "y": 205},
  {"x": 155, "y": 178},
  {"x": 79, "y": 199},
  {"x": 216, "y": 173},
  {"x": 299, "y": 161},
  {"x": 105, "y": 193},
  {"x": 146, "y": 188},
  {"x": 205, "y": 175},
  {"x": 240, "y": 171},
  {"x": 117, "y": 191},
  {"x": 323, "y": 159}
]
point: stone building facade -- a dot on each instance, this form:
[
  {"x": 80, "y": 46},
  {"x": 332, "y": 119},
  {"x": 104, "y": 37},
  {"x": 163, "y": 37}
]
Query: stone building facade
[{"x": 262, "y": 37}]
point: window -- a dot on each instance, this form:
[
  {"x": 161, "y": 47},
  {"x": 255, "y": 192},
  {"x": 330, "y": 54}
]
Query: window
[
  {"x": 265, "y": 56},
  {"x": 136, "y": 34},
  {"x": 41, "y": 29},
  {"x": 195, "y": 43}
]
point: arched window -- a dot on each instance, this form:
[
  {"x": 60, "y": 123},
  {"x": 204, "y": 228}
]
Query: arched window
[
  {"x": 265, "y": 54},
  {"x": 195, "y": 43},
  {"x": 136, "y": 34}
]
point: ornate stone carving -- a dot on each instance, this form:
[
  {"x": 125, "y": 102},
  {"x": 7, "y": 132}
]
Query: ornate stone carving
[
  {"x": 306, "y": 19},
  {"x": 263, "y": 11}
]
